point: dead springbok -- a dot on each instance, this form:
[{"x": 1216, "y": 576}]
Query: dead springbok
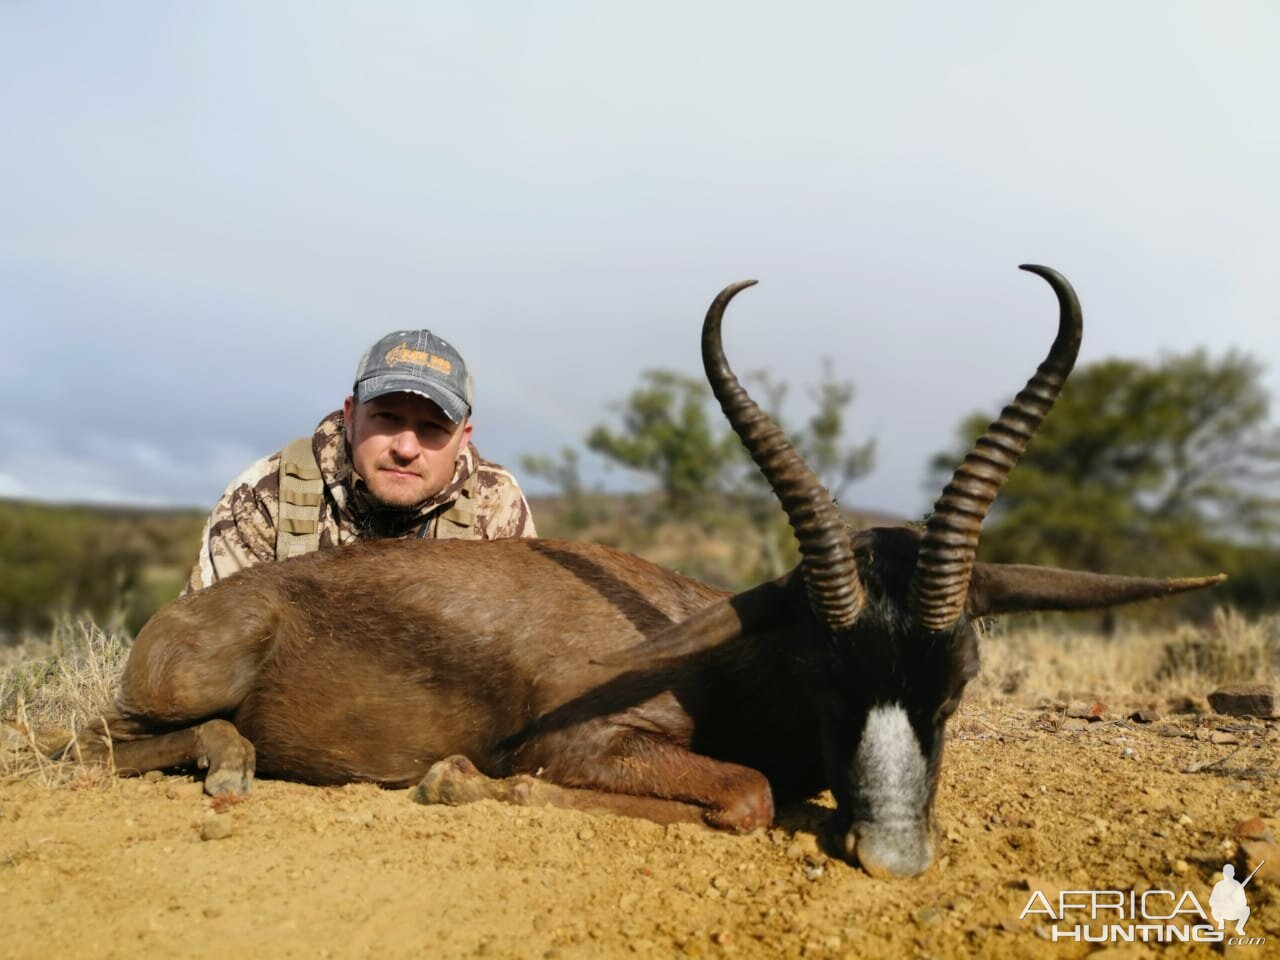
[{"x": 581, "y": 676}]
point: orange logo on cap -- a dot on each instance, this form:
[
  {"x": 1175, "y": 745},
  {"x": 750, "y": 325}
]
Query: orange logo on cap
[{"x": 402, "y": 354}]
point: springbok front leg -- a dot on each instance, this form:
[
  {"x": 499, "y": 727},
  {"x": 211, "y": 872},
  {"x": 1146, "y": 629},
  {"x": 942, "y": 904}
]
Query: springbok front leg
[
  {"x": 215, "y": 746},
  {"x": 643, "y": 777},
  {"x": 191, "y": 665}
]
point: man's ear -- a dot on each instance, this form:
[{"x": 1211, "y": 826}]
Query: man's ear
[
  {"x": 348, "y": 416},
  {"x": 466, "y": 433}
]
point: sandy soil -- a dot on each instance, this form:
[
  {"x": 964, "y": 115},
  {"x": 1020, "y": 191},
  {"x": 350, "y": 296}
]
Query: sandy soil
[{"x": 141, "y": 867}]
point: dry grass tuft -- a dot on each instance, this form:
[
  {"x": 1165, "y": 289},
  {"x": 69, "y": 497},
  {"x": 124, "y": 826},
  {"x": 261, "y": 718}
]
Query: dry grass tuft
[
  {"x": 51, "y": 687},
  {"x": 1138, "y": 665}
]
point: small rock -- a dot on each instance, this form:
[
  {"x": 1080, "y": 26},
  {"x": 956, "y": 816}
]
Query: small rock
[
  {"x": 1145, "y": 716},
  {"x": 1074, "y": 725},
  {"x": 722, "y": 938},
  {"x": 1255, "y": 828},
  {"x": 1253, "y": 852},
  {"x": 1180, "y": 867},
  {"x": 928, "y": 917},
  {"x": 1169, "y": 730},
  {"x": 1221, "y": 736},
  {"x": 1086, "y": 710},
  {"x": 1128, "y": 753},
  {"x": 803, "y": 845},
  {"x": 151, "y": 776},
  {"x": 1184, "y": 820},
  {"x": 586, "y": 833},
  {"x": 720, "y": 882},
  {"x": 1246, "y": 700},
  {"x": 216, "y": 827},
  {"x": 184, "y": 790}
]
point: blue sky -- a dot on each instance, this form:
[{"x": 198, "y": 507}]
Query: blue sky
[{"x": 209, "y": 211}]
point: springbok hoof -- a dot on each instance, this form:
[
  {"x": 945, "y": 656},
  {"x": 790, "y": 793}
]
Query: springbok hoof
[
  {"x": 229, "y": 757},
  {"x": 453, "y": 781},
  {"x": 228, "y": 782}
]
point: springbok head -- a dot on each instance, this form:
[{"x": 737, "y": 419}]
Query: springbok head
[{"x": 892, "y": 640}]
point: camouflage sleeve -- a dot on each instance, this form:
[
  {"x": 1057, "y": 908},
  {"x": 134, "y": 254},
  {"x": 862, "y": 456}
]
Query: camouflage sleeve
[
  {"x": 241, "y": 530},
  {"x": 501, "y": 508}
]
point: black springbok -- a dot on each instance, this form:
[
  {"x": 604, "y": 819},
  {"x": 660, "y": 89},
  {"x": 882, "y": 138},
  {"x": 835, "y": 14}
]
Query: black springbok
[{"x": 539, "y": 671}]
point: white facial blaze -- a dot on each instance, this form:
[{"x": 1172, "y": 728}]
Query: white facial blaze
[{"x": 891, "y": 767}]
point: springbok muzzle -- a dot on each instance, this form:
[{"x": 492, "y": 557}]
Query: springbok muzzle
[{"x": 892, "y": 777}]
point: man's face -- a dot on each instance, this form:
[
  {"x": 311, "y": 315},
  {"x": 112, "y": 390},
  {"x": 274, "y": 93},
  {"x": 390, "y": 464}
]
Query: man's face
[{"x": 403, "y": 446}]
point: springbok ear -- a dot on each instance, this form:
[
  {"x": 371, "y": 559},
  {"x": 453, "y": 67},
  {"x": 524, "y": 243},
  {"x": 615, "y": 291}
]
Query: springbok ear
[
  {"x": 1011, "y": 588},
  {"x": 721, "y": 622}
]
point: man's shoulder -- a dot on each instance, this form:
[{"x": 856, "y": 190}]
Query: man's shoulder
[
  {"x": 501, "y": 509},
  {"x": 253, "y": 475},
  {"x": 263, "y": 475}
]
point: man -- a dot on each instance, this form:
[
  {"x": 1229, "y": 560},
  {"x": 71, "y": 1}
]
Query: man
[{"x": 395, "y": 461}]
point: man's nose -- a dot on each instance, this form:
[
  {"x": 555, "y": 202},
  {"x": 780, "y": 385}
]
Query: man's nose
[{"x": 405, "y": 445}]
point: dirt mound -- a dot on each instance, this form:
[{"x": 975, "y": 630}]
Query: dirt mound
[{"x": 153, "y": 868}]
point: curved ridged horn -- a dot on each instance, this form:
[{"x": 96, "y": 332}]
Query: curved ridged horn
[
  {"x": 950, "y": 543},
  {"x": 827, "y": 564}
]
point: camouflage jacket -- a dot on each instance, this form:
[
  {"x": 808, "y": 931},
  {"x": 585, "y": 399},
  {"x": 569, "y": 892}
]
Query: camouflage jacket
[{"x": 241, "y": 530}]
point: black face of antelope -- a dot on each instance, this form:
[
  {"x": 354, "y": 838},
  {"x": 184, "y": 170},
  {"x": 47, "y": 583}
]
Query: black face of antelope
[
  {"x": 885, "y": 688},
  {"x": 895, "y": 639}
]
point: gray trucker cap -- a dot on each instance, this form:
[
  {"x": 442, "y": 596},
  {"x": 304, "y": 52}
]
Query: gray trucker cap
[{"x": 416, "y": 361}]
